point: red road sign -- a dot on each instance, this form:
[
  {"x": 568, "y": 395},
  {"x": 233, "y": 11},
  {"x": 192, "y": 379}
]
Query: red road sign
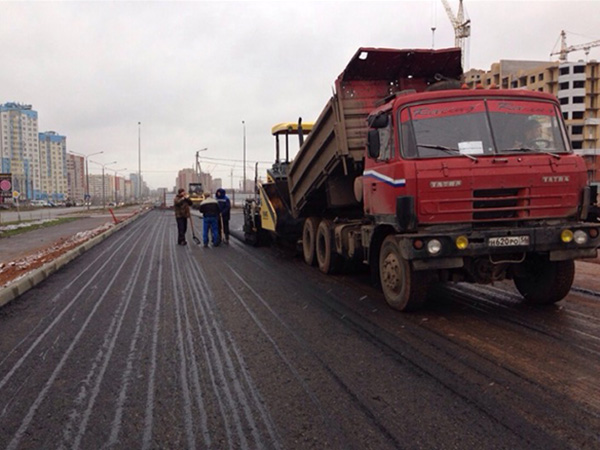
[{"x": 5, "y": 185}]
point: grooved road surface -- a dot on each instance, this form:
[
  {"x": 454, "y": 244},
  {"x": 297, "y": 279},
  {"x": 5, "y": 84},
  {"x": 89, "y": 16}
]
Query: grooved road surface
[{"x": 140, "y": 343}]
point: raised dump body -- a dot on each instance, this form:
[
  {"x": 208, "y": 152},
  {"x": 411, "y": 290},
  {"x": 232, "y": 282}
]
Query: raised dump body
[{"x": 321, "y": 177}]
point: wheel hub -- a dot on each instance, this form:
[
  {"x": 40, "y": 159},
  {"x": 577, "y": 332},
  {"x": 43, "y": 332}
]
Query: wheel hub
[{"x": 390, "y": 272}]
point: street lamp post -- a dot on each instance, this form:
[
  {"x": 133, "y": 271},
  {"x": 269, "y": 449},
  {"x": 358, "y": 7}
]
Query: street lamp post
[
  {"x": 103, "y": 188},
  {"x": 198, "y": 167},
  {"x": 139, "y": 161},
  {"x": 87, "y": 177},
  {"x": 244, "y": 175}
]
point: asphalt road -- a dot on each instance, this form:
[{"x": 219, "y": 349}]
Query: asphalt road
[{"x": 140, "y": 343}]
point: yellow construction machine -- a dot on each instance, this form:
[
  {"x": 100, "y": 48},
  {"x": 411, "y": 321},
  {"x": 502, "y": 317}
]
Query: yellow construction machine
[{"x": 267, "y": 215}]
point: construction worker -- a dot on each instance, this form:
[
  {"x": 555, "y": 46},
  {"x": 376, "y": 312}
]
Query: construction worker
[
  {"x": 182, "y": 204},
  {"x": 210, "y": 215},
  {"x": 225, "y": 208}
]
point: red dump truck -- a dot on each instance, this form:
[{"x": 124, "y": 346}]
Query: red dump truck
[{"x": 427, "y": 182}]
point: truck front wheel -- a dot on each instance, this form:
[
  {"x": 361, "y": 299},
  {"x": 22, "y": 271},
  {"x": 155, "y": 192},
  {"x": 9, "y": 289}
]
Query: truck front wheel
[
  {"x": 403, "y": 288},
  {"x": 309, "y": 232},
  {"x": 544, "y": 282}
]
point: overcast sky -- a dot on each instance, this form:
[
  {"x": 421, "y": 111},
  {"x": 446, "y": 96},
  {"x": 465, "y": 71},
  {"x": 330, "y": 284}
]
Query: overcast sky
[{"x": 191, "y": 72}]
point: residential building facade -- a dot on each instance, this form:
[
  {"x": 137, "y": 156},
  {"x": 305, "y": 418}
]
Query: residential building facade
[
  {"x": 128, "y": 192},
  {"x": 19, "y": 148},
  {"x": 53, "y": 166},
  {"x": 97, "y": 189},
  {"x": 140, "y": 189},
  {"x": 185, "y": 177},
  {"x": 75, "y": 178}
]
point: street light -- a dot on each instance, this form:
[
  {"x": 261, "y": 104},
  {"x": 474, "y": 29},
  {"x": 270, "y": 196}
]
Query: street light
[
  {"x": 198, "y": 167},
  {"x": 244, "y": 180},
  {"x": 140, "y": 162},
  {"x": 115, "y": 171},
  {"x": 87, "y": 177},
  {"x": 103, "y": 190}
]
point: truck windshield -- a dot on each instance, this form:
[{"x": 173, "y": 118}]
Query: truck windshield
[{"x": 472, "y": 128}]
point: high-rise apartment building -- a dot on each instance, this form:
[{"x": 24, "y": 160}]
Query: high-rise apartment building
[
  {"x": 75, "y": 177},
  {"x": 119, "y": 189},
  {"x": 53, "y": 165},
  {"x": 96, "y": 191},
  {"x": 114, "y": 188},
  {"x": 128, "y": 191},
  {"x": 578, "y": 91},
  {"x": 140, "y": 189},
  {"x": 110, "y": 185},
  {"x": 19, "y": 149},
  {"x": 185, "y": 177}
]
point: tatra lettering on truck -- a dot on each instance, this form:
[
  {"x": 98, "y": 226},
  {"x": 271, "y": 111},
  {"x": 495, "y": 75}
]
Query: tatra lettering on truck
[
  {"x": 561, "y": 179},
  {"x": 426, "y": 182}
]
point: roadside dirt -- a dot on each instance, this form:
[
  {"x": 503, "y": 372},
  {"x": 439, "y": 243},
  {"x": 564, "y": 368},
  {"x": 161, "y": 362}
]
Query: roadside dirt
[
  {"x": 12, "y": 270},
  {"x": 28, "y": 251}
]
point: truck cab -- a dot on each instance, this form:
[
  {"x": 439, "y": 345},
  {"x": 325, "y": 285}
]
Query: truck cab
[
  {"x": 478, "y": 185},
  {"x": 449, "y": 151}
]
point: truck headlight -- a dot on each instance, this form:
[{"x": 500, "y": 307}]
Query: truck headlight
[
  {"x": 434, "y": 246},
  {"x": 580, "y": 237}
]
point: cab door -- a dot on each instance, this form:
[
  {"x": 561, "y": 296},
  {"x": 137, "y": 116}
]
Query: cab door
[{"x": 384, "y": 175}]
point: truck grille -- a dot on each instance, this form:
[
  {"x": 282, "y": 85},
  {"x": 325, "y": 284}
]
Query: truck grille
[{"x": 497, "y": 204}]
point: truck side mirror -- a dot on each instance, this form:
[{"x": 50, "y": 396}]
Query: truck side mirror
[
  {"x": 378, "y": 121},
  {"x": 373, "y": 144}
]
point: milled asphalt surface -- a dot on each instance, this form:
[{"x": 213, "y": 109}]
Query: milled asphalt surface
[{"x": 141, "y": 343}]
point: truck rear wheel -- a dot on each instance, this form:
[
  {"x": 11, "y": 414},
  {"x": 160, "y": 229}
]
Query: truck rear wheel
[
  {"x": 309, "y": 232},
  {"x": 327, "y": 259},
  {"x": 544, "y": 282},
  {"x": 403, "y": 288}
]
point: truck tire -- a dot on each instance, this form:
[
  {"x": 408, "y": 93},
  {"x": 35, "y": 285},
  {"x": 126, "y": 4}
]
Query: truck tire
[
  {"x": 544, "y": 282},
  {"x": 327, "y": 258},
  {"x": 403, "y": 288},
  {"x": 309, "y": 233}
]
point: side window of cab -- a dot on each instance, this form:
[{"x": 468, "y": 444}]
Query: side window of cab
[{"x": 379, "y": 140}]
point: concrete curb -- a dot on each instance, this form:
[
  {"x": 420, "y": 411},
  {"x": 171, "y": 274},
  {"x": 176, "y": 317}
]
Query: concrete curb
[{"x": 18, "y": 287}]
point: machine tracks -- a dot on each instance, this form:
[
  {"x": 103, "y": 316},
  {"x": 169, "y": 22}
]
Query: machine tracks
[{"x": 523, "y": 381}]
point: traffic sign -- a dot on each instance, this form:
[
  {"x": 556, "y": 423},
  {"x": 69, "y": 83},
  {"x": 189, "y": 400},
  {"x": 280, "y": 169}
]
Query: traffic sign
[
  {"x": 5, "y": 185},
  {"x": 16, "y": 194}
]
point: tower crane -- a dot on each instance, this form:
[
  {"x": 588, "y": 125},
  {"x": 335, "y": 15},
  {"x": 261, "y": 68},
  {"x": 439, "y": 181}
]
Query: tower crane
[
  {"x": 564, "y": 50},
  {"x": 462, "y": 27}
]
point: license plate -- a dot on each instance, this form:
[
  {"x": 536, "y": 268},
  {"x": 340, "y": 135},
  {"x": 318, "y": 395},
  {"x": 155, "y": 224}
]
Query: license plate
[{"x": 508, "y": 241}]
